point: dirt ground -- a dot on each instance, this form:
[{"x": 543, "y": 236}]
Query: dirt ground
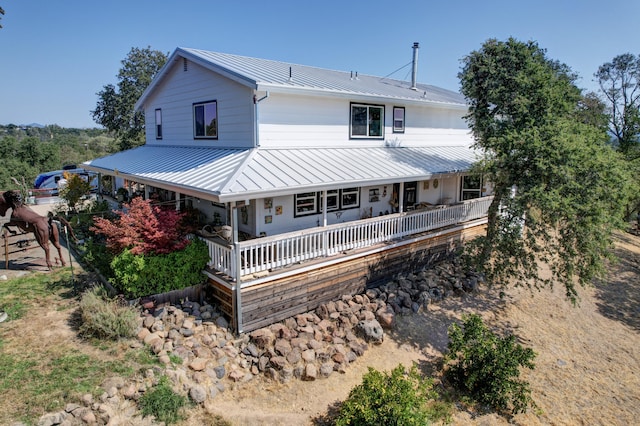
[{"x": 587, "y": 369}]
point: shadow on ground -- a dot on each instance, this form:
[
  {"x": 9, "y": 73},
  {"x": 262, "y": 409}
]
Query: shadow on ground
[{"x": 619, "y": 293}]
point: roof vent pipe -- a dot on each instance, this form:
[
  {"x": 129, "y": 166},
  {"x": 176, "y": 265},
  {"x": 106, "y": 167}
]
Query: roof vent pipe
[{"x": 414, "y": 71}]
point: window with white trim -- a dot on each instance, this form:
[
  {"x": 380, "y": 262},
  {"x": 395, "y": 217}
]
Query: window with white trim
[
  {"x": 332, "y": 200},
  {"x": 306, "y": 203},
  {"x": 471, "y": 187},
  {"x": 205, "y": 120},
  {"x": 367, "y": 121},
  {"x": 350, "y": 198},
  {"x": 158, "y": 123},
  {"x": 398, "y": 119}
]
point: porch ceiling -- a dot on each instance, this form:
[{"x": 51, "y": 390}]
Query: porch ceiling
[{"x": 224, "y": 175}]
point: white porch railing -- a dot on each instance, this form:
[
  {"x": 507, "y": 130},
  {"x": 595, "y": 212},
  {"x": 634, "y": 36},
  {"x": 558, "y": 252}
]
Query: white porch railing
[{"x": 263, "y": 254}]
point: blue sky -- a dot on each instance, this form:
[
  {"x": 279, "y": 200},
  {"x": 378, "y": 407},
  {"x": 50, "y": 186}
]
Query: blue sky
[{"x": 56, "y": 55}]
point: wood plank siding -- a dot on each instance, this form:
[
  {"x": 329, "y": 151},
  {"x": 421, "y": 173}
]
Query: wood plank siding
[{"x": 285, "y": 295}]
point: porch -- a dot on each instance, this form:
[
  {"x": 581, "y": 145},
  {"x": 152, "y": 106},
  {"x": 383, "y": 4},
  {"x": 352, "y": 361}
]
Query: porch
[
  {"x": 290, "y": 273},
  {"x": 256, "y": 257}
]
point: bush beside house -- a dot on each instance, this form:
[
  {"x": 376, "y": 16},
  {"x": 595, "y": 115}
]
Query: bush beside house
[{"x": 150, "y": 250}]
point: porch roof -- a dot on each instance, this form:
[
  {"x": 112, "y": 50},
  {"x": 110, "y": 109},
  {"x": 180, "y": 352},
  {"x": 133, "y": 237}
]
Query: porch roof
[{"x": 225, "y": 175}]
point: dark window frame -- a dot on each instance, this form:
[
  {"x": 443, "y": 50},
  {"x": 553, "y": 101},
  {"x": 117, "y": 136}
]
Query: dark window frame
[
  {"x": 316, "y": 204},
  {"x": 367, "y": 126},
  {"x": 467, "y": 191},
  {"x": 399, "y": 129},
  {"x": 200, "y": 128},
  {"x": 158, "y": 118}
]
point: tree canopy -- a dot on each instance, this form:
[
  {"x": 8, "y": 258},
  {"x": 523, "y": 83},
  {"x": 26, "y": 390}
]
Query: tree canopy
[
  {"x": 559, "y": 187},
  {"x": 28, "y": 151},
  {"x": 619, "y": 82},
  {"x": 115, "y": 107}
]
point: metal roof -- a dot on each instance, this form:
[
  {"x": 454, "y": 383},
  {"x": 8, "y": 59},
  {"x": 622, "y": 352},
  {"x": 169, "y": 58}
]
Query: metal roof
[
  {"x": 277, "y": 76},
  {"x": 241, "y": 174}
]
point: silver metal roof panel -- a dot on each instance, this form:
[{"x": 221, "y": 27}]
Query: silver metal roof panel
[
  {"x": 265, "y": 74},
  {"x": 240, "y": 174}
]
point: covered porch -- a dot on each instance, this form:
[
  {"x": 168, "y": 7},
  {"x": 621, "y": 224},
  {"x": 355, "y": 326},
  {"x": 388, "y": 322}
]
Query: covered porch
[{"x": 252, "y": 259}]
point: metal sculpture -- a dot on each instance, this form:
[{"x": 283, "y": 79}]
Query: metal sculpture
[{"x": 28, "y": 220}]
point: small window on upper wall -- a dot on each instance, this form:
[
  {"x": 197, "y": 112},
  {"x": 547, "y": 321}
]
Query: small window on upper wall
[
  {"x": 367, "y": 121},
  {"x": 398, "y": 119},
  {"x": 158, "y": 123},
  {"x": 205, "y": 120}
]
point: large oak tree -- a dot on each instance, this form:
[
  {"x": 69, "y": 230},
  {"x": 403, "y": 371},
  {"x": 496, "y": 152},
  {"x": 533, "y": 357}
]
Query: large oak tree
[
  {"x": 115, "y": 107},
  {"x": 559, "y": 187}
]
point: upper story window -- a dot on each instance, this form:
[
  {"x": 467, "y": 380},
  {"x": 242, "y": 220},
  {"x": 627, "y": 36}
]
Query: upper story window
[
  {"x": 158, "y": 123},
  {"x": 471, "y": 187},
  {"x": 367, "y": 121},
  {"x": 205, "y": 120},
  {"x": 398, "y": 119}
]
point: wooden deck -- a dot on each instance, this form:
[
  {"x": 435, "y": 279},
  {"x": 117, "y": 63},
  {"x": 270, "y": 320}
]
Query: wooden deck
[{"x": 269, "y": 297}]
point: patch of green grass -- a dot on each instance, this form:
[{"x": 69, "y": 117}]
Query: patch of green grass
[
  {"x": 163, "y": 402},
  {"x": 143, "y": 357},
  {"x": 175, "y": 359},
  {"x": 31, "y": 290},
  {"x": 37, "y": 384},
  {"x": 35, "y": 377},
  {"x": 14, "y": 309}
]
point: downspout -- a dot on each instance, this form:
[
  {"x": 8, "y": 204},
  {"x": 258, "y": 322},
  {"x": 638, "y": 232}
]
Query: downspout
[{"x": 256, "y": 101}]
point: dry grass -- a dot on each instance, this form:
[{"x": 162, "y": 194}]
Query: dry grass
[{"x": 587, "y": 369}]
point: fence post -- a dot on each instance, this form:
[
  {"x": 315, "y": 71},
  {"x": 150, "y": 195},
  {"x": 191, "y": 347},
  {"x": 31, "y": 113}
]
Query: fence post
[{"x": 6, "y": 248}]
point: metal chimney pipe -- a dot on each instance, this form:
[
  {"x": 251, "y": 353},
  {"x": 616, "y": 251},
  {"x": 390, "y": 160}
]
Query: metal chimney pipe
[{"x": 414, "y": 72}]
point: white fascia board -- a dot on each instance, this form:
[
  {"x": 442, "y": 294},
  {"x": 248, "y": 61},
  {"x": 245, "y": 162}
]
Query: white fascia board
[{"x": 186, "y": 190}]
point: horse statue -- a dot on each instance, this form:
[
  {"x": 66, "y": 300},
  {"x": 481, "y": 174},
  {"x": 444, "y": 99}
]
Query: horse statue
[{"x": 27, "y": 220}]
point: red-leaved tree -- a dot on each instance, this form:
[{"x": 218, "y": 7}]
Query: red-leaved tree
[{"x": 143, "y": 228}]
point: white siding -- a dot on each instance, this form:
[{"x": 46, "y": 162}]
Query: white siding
[
  {"x": 176, "y": 95},
  {"x": 294, "y": 121}
]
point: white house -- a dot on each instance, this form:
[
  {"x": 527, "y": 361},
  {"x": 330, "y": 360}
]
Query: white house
[{"x": 304, "y": 164}]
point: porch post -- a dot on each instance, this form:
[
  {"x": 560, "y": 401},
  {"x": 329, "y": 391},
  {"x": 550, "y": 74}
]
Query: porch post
[
  {"x": 238, "y": 266},
  {"x": 401, "y": 198},
  {"x": 178, "y": 201},
  {"x": 325, "y": 240},
  {"x": 324, "y": 208}
]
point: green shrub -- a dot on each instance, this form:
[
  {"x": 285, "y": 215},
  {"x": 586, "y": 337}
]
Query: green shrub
[
  {"x": 105, "y": 318},
  {"x": 400, "y": 398},
  {"x": 143, "y": 275},
  {"x": 487, "y": 368},
  {"x": 163, "y": 403},
  {"x": 97, "y": 255}
]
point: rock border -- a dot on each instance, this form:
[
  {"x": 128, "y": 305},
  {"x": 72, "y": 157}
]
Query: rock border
[{"x": 203, "y": 357}]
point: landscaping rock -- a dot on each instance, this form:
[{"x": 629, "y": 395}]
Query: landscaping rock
[
  {"x": 371, "y": 331},
  {"x": 309, "y": 346}
]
